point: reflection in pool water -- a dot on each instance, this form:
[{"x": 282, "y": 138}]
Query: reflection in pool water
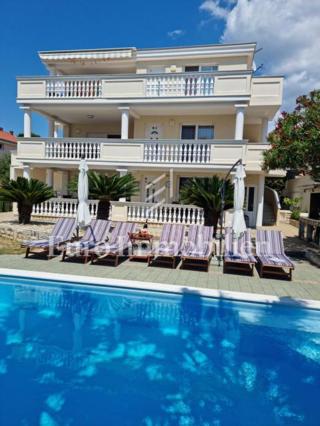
[{"x": 73, "y": 355}]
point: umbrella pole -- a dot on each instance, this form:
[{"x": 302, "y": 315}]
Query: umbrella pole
[{"x": 222, "y": 192}]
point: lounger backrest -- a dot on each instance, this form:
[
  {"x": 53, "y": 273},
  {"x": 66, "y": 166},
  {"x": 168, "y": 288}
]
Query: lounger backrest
[
  {"x": 241, "y": 245},
  {"x": 177, "y": 235},
  {"x": 97, "y": 230},
  {"x": 269, "y": 242},
  {"x": 172, "y": 235},
  {"x": 63, "y": 229},
  {"x": 120, "y": 233},
  {"x": 199, "y": 237}
]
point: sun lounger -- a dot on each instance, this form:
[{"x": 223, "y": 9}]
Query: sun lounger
[
  {"x": 117, "y": 245},
  {"x": 198, "y": 249},
  {"x": 61, "y": 233},
  {"x": 238, "y": 255},
  {"x": 271, "y": 255},
  {"x": 95, "y": 234},
  {"x": 170, "y": 244}
]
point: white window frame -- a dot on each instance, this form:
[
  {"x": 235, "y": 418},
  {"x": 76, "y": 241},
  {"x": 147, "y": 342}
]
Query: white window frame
[
  {"x": 197, "y": 129},
  {"x": 200, "y": 68}
]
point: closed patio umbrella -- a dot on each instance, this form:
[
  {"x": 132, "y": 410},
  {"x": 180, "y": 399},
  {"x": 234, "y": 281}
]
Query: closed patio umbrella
[
  {"x": 238, "y": 223},
  {"x": 83, "y": 213}
]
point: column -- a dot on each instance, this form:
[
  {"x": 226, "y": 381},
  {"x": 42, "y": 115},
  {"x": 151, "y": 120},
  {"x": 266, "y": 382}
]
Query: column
[
  {"x": 51, "y": 127},
  {"x": 49, "y": 177},
  {"x": 26, "y": 172},
  {"x": 124, "y": 122},
  {"x": 27, "y": 120},
  {"x": 122, "y": 172},
  {"x": 264, "y": 130},
  {"x": 260, "y": 201},
  {"x": 238, "y": 134}
]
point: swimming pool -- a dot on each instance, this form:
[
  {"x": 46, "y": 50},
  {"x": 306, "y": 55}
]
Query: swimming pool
[{"x": 80, "y": 355}]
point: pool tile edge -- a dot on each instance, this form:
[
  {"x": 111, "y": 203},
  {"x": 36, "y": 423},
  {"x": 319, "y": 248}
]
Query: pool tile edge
[{"x": 165, "y": 288}]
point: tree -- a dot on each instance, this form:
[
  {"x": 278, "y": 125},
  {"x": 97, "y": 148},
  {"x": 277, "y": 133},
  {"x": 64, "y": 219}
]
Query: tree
[
  {"x": 295, "y": 141},
  {"x": 205, "y": 193},
  {"x": 107, "y": 189},
  {"x": 33, "y": 135},
  {"x": 25, "y": 193},
  {"x": 5, "y": 162}
]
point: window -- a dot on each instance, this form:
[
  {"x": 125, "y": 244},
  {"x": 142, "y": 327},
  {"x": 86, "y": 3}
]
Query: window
[
  {"x": 197, "y": 132},
  {"x": 191, "y": 68},
  {"x": 202, "y": 68},
  {"x": 188, "y": 132},
  {"x": 208, "y": 68},
  {"x": 205, "y": 132},
  {"x": 114, "y": 136}
]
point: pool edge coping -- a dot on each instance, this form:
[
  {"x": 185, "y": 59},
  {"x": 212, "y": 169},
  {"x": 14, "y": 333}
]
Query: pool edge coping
[{"x": 164, "y": 288}]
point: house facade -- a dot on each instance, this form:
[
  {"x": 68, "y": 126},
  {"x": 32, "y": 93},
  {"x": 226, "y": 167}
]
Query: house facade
[{"x": 164, "y": 115}]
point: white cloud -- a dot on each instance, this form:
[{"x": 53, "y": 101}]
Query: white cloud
[
  {"x": 176, "y": 33},
  {"x": 288, "y": 32}
]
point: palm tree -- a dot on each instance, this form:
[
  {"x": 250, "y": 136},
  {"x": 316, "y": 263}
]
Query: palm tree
[
  {"x": 110, "y": 188},
  {"x": 205, "y": 193},
  {"x": 25, "y": 193}
]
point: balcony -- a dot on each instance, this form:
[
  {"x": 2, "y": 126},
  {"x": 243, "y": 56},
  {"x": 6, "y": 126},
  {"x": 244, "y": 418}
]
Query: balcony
[
  {"x": 139, "y": 153},
  {"x": 171, "y": 85}
]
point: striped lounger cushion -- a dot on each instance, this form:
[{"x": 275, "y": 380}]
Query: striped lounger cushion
[
  {"x": 238, "y": 250},
  {"x": 199, "y": 242},
  {"x": 270, "y": 249}
]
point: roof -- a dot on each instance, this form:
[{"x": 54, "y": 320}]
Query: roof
[
  {"x": 132, "y": 53},
  {"x": 7, "y": 137}
]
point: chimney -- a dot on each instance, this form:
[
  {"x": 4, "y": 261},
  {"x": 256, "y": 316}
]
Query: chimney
[
  {"x": 11, "y": 132},
  {"x": 1, "y": 128}
]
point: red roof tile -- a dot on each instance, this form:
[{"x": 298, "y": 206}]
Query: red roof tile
[{"x": 7, "y": 137}]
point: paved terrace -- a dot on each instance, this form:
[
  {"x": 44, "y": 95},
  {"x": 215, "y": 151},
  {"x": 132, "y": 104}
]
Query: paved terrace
[{"x": 305, "y": 284}]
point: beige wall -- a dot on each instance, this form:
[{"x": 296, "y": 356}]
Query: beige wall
[
  {"x": 108, "y": 128},
  {"x": 170, "y": 127},
  {"x": 252, "y": 132},
  {"x": 237, "y": 63}
]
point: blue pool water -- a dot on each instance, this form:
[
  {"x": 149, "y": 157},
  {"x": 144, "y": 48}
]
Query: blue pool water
[{"x": 74, "y": 355}]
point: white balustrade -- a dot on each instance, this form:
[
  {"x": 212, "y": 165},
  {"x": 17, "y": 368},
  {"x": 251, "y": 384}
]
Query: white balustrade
[
  {"x": 189, "y": 84},
  {"x": 73, "y": 88},
  {"x": 62, "y": 207},
  {"x": 72, "y": 149},
  {"x": 177, "y": 152},
  {"x": 164, "y": 213}
]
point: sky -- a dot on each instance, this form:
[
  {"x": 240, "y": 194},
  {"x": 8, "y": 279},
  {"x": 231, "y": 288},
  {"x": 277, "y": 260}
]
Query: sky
[{"x": 288, "y": 31}]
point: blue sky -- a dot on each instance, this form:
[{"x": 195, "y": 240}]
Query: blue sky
[{"x": 28, "y": 26}]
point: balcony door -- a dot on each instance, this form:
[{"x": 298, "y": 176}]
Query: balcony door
[
  {"x": 250, "y": 204},
  {"x": 198, "y": 150}
]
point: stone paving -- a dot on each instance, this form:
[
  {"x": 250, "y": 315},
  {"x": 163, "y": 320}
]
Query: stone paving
[{"x": 305, "y": 284}]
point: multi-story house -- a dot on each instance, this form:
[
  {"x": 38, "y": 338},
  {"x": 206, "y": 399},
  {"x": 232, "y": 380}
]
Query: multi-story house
[
  {"x": 165, "y": 115},
  {"x": 8, "y": 141}
]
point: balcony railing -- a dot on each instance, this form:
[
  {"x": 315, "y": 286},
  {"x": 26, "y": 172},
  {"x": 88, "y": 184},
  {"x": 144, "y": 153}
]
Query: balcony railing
[
  {"x": 62, "y": 207},
  {"x": 179, "y": 85},
  {"x": 73, "y": 88},
  {"x": 164, "y": 213},
  {"x": 132, "y": 211},
  {"x": 136, "y": 151},
  {"x": 166, "y": 85},
  {"x": 72, "y": 149}
]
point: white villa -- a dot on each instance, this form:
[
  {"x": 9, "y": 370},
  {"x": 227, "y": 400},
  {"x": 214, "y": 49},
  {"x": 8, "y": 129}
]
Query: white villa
[{"x": 164, "y": 115}]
